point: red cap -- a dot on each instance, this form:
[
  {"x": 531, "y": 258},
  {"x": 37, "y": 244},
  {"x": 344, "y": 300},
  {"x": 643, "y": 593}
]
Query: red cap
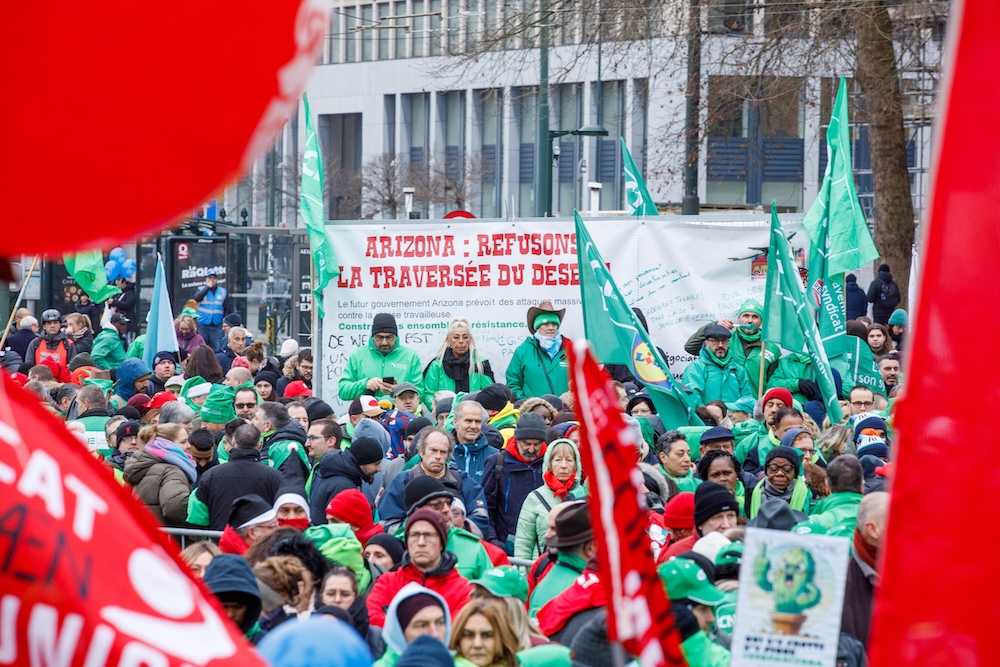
[
  {"x": 19, "y": 378},
  {"x": 297, "y": 388},
  {"x": 160, "y": 399},
  {"x": 679, "y": 511},
  {"x": 779, "y": 393},
  {"x": 352, "y": 507}
]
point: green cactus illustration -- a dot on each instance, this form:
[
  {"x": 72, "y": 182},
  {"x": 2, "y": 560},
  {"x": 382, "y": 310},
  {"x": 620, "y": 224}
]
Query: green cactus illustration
[{"x": 792, "y": 584}]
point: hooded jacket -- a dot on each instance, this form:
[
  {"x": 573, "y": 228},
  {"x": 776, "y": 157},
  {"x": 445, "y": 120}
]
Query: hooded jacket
[
  {"x": 533, "y": 518},
  {"x": 882, "y": 308},
  {"x": 212, "y": 501},
  {"x": 532, "y": 372},
  {"x": 230, "y": 578},
  {"x": 838, "y": 513},
  {"x": 744, "y": 350},
  {"x": 162, "y": 486},
  {"x": 367, "y": 362},
  {"x": 507, "y": 481},
  {"x": 392, "y": 507},
  {"x": 710, "y": 378},
  {"x": 285, "y": 450},
  {"x": 336, "y": 471},
  {"x": 471, "y": 458},
  {"x": 129, "y": 371},
  {"x": 443, "y": 580},
  {"x": 856, "y": 299},
  {"x": 393, "y": 633}
]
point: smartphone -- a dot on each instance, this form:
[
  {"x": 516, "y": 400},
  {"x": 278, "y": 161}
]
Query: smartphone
[{"x": 389, "y": 380}]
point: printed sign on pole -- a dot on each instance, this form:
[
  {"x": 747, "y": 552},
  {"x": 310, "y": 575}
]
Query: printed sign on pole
[{"x": 790, "y": 599}]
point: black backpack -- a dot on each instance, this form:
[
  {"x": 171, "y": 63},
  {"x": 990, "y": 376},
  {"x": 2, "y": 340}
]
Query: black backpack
[{"x": 890, "y": 291}]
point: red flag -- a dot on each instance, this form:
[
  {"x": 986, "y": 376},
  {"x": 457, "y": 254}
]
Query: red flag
[
  {"x": 638, "y": 613},
  {"x": 86, "y": 578},
  {"x": 940, "y": 598}
]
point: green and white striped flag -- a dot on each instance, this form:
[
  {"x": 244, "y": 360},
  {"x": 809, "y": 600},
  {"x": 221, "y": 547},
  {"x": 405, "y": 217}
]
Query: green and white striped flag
[
  {"x": 636, "y": 194},
  {"x": 788, "y": 320},
  {"x": 325, "y": 267}
]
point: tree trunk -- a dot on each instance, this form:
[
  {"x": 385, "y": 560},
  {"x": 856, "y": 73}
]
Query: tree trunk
[{"x": 879, "y": 79}]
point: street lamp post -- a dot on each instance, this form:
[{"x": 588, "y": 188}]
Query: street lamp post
[{"x": 544, "y": 197}]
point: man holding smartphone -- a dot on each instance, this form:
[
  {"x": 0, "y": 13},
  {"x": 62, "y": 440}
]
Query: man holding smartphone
[{"x": 378, "y": 367}]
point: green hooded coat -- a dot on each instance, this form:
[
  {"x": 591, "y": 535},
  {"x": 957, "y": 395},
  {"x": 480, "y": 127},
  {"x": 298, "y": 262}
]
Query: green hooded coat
[
  {"x": 367, "y": 362},
  {"x": 710, "y": 378},
  {"x": 532, "y": 372}
]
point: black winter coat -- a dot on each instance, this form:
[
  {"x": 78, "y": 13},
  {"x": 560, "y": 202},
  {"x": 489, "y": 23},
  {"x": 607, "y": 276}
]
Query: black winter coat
[
  {"x": 856, "y": 616},
  {"x": 882, "y": 308},
  {"x": 857, "y": 301},
  {"x": 504, "y": 497},
  {"x": 242, "y": 475},
  {"x": 337, "y": 471}
]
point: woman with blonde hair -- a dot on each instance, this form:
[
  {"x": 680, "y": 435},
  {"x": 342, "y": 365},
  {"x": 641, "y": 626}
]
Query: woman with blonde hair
[
  {"x": 483, "y": 636},
  {"x": 198, "y": 555},
  {"x": 458, "y": 366},
  {"x": 162, "y": 473},
  {"x": 188, "y": 337}
]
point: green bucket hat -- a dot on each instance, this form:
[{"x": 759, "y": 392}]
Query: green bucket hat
[
  {"x": 218, "y": 406},
  {"x": 752, "y": 306},
  {"x": 685, "y": 580},
  {"x": 504, "y": 582}
]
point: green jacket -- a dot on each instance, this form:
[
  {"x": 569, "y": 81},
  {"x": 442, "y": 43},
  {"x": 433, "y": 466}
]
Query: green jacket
[
  {"x": 791, "y": 369},
  {"x": 764, "y": 442},
  {"x": 710, "y": 378},
  {"x": 279, "y": 451},
  {"x": 700, "y": 651},
  {"x": 532, "y": 372},
  {"x": 745, "y": 350},
  {"x": 838, "y": 513},
  {"x": 94, "y": 432},
  {"x": 136, "y": 349},
  {"x": 533, "y": 520},
  {"x": 435, "y": 380},
  {"x": 367, "y": 362},
  {"x": 686, "y": 483},
  {"x": 109, "y": 350},
  {"x": 725, "y": 613},
  {"x": 560, "y": 577}
]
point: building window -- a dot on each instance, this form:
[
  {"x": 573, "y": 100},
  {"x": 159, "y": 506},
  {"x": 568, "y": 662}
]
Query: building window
[
  {"x": 525, "y": 122},
  {"x": 489, "y": 106},
  {"x": 730, "y": 17}
]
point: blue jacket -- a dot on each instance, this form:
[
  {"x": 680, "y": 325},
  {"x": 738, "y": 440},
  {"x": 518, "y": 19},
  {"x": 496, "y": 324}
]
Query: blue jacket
[
  {"x": 857, "y": 300},
  {"x": 129, "y": 371},
  {"x": 392, "y": 507},
  {"x": 471, "y": 458},
  {"x": 211, "y": 305},
  {"x": 507, "y": 481}
]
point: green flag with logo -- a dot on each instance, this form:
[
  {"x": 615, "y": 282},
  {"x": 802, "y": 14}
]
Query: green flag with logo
[
  {"x": 636, "y": 193},
  {"x": 325, "y": 267},
  {"x": 857, "y": 366},
  {"x": 839, "y": 233},
  {"x": 87, "y": 269},
  {"x": 788, "y": 319},
  {"x": 618, "y": 338}
]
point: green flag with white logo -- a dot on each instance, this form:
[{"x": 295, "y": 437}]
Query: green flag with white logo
[
  {"x": 788, "y": 320},
  {"x": 325, "y": 267},
  {"x": 618, "y": 338},
  {"x": 87, "y": 269},
  {"x": 636, "y": 193}
]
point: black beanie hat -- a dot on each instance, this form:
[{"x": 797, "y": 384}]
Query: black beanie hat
[
  {"x": 366, "y": 450},
  {"x": 883, "y": 267},
  {"x": 531, "y": 426},
  {"x": 318, "y": 409},
  {"x": 422, "y": 489},
  {"x": 443, "y": 406},
  {"x": 392, "y": 545},
  {"x": 416, "y": 425},
  {"x": 492, "y": 398},
  {"x": 266, "y": 376},
  {"x": 384, "y": 323},
  {"x": 710, "y": 499},
  {"x": 851, "y": 278},
  {"x": 790, "y": 454}
]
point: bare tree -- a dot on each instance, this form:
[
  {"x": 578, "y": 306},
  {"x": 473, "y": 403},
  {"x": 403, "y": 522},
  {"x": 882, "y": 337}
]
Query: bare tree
[
  {"x": 457, "y": 185},
  {"x": 383, "y": 179}
]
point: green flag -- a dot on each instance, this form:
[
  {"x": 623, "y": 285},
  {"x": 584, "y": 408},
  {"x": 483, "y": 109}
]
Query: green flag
[
  {"x": 788, "y": 320},
  {"x": 325, "y": 267},
  {"x": 857, "y": 366},
  {"x": 835, "y": 221},
  {"x": 617, "y": 338},
  {"x": 636, "y": 194},
  {"x": 87, "y": 269}
]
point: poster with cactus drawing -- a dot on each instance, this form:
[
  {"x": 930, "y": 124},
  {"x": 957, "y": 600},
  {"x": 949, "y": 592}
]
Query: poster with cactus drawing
[{"x": 790, "y": 599}]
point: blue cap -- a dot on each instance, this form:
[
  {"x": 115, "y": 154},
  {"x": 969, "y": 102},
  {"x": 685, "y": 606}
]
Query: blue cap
[
  {"x": 716, "y": 433},
  {"x": 742, "y": 404}
]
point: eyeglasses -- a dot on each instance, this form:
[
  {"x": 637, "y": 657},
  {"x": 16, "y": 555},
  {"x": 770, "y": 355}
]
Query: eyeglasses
[
  {"x": 862, "y": 404},
  {"x": 385, "y": 338},
  {"x": 774, "y": 468},
  {"x": 240, "y": 406},
  {"x": 424, "y": 537},
  {"x": 310, "y": 438}
]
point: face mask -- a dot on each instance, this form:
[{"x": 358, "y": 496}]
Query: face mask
[
  {"x": 549, "y": 344},
  {"x": 299, "y": 523}
]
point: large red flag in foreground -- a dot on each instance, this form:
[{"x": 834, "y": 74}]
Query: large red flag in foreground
[
  {"x": 86, "y": 579},
  {"x": 940, "y": 597},
  {"x": 120, "y": 116},
  {"x": 638, "y": 612}
]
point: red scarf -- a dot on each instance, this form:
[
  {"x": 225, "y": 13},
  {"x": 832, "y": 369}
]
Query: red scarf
[
  {"x": 515, "y": 451},
  {"x": 865, "y": 552},
  {"x": 558, "y": 488},
  {"x": 232, "y": 543},
  {"x": 299, "y": 523}
]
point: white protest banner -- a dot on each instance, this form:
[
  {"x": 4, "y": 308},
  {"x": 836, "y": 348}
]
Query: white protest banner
[
  {"x": 790, "y": 599},
  {"x": 682, "y": 275}
]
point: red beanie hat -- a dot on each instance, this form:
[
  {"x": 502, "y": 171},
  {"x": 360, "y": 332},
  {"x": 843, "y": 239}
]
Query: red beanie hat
[
  {"x": 779, "y": 393},
  {"x": 351, "y": 507},
  {"x": 679, "y": 512}
]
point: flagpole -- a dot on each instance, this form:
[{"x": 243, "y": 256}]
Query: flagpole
[
  {"x": 17, "y": 304},
  {"x": 760, "y": 382}
]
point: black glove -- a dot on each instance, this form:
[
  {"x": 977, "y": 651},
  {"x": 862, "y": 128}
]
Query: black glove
[
  {"x": 809, "y": 389},
  {"x": 687, "y": 622}
]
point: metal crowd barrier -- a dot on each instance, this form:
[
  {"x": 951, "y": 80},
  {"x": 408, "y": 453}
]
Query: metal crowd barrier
[{"x": 186, "y": 536}]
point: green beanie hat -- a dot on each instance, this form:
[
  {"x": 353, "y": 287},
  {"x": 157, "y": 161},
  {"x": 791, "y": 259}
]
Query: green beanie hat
[
  {"x": 545, "y": 318},
  {"x": 752, "y": 306},
  {"x": 898, "y": 318},
  {"x": 218, "y": 406},
  {"x": 338, "y": 543}
]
